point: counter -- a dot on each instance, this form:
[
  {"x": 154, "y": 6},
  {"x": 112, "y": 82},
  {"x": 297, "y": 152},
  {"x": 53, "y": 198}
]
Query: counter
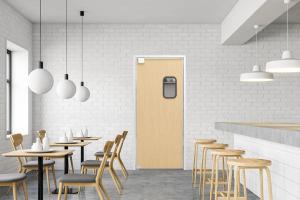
[
  {"x": 278, "y": 142},
  {"x": 283, "y": 133}
]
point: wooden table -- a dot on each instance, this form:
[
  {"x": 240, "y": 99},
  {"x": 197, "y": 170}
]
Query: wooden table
[
  {"x": 77, "y": 144},
  {"x": 82, "y": 139},
  {"x": 40, "y": 156}
]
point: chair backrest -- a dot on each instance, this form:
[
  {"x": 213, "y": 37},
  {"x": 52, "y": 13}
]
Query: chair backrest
[
  {"x": 107, "y": 148},
  {"x": 124, "y": 134},
  {"x": 16, "y": 142},
  {"x": 118, "y": 140},
  {"x": 41, "y": 134}
]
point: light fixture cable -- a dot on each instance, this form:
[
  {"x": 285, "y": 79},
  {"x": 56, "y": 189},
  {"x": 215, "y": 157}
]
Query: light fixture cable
[
  {"x": 40, "y": 30},
  {"x": 256, "y": 46},
  {"x": 66, "y": 36},
  {"x": 287, "y": 25},
  {"x": 82, "y": 15}
]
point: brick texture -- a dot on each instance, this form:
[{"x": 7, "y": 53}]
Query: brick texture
[{"x": 213, "y": 90}]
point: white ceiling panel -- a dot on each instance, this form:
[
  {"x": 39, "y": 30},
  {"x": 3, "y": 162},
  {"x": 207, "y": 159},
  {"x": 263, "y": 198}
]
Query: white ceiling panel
[{"x": 127, "y": 11}]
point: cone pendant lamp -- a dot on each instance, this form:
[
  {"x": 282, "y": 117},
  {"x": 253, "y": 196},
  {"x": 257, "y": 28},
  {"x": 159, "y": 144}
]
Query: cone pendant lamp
[
  {"x": 257, "y": 75},
  {"x": 287, "y": 64}
]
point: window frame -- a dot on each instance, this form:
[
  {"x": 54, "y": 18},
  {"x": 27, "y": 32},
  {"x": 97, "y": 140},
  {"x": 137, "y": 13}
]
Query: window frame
[{"x": 9, "y": 92}]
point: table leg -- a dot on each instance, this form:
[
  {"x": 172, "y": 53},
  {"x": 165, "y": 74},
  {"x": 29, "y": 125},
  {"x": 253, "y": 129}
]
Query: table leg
[
  {"x": 82, "y": 154},
  {"x": 66, "y": 171},
  {"x": 40, "y": 178},
  {"x": 66, "y": 162}
]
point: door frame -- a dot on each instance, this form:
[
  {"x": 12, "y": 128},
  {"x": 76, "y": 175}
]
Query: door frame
[{"x": 183, "y": 57}]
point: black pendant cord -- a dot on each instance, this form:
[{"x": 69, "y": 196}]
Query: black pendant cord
[
  {"x": 40, "y": 30},
  {"x": 66, "y": 36},
  {"x": 82, "y": 14},
  {"x": 41, "y": 62}
]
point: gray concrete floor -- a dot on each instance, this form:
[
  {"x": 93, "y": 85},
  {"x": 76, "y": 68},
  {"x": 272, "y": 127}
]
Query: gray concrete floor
[{"x": 140, "y": 185}]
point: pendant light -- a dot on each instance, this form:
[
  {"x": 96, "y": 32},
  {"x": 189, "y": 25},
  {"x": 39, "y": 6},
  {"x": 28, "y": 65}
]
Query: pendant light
[
  {"x": 257, "y": 75},
  {"x": 66, "y": 88},
  {"x": 82, "y": 92},
  {"x": 287, "y": 64},
  {"x": 40, "y": 81}
]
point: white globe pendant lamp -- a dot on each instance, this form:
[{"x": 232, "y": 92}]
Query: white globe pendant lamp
[
  {"x": 82, "y": 93},
  {"x": 40, "y": 81},
  {"x": 257, "y": 75},
  {"x": 66, "y": 88},
  {"x": 287, "y": 64}
]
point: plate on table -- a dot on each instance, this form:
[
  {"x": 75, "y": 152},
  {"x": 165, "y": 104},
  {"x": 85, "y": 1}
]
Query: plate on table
[
  {"x": 66, "y": 142},
  {"x": 40, "y": 151}
]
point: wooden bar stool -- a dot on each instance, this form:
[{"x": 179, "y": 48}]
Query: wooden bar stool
[
  {"x": 221, "y": 155},
  {"x": 197, "y": 143},
  {"x": 247, "y": 163},
  {"x": 203, "y": 171}
]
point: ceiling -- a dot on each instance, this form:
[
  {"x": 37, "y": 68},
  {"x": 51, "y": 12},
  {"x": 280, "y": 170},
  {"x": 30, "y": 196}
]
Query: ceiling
[
  {"x": 127, "y": 11},
  {"x": 294, "y": 15}
]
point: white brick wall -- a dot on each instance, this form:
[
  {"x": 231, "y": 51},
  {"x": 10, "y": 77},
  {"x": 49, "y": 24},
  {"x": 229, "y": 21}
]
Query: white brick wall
[
  {"x": 285, "y": 168},
  {"x": 214, "y": 92},
  {"x": 17, "y": 29}
]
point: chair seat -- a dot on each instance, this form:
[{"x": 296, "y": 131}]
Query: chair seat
[
  {"x": 77, "y": 178},
  {"x": 94, "y": 163},
  {"x": 5, "y": 178},
  {"x": 101, "y": 154},
  {"x": 34, "y": 163}
]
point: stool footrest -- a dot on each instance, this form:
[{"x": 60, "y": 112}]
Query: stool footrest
[
  {"x": 224, "y": 193},
  {"x": 231, "y": 198},
  {"x": 219, "y": 181},
  {"x": 199, "y": 170}
]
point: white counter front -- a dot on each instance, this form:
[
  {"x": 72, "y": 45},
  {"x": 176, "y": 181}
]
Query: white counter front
[{"x": 285, "y": 159}]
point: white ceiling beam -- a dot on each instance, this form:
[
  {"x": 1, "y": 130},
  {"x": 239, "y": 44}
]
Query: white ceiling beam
[{"x": 237, "y": 27}]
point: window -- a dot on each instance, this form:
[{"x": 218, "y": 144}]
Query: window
[
  {"x": 8, "y": 91},
  {"x": 169, "y": 87},
  {"x": 17, "y": 94}
]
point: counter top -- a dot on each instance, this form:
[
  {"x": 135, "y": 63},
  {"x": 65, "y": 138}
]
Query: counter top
[{"x": 284, "y": 133}]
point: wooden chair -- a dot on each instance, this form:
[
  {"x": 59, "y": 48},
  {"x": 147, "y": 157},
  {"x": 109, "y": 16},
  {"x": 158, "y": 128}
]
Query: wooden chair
[
  {"x": 99, "y": 155},
  {"x": 13, "y": 180},
  {"x": 27, "y": 166},
  {"x": 94, "y": 164},
  {"x": 87, "y": 180},
  {"x": 41, "y": 134}
]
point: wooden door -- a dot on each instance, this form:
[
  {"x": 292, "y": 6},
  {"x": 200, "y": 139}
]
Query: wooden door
[{"x": 159, "y": 119}]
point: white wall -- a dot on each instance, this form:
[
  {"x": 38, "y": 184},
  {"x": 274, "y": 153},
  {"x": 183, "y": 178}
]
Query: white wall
[
  {"x": 285, "y": 168},
  {"x": 214, "y": 92},
  {"x": 17, "y": 29}
]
